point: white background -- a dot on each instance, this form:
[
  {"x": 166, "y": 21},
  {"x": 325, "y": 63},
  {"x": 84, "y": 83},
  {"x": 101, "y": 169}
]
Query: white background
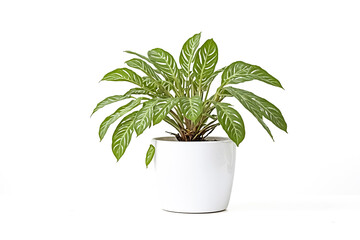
[{"x": 58, "y": 182}]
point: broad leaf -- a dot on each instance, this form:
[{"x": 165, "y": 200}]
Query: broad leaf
[
  {"x": 124, "y": 74},
  {"x": 205, "y": 61},
  {"x": 121, "y": 111},
  {"x": 122, "y": 135},
  {"x": 144, "y": 67},
  {"x": 188, "y": 53},
  {"x": 161, "y": 110},
  {"x": 110, "y": 100},
  {"x": 165, "y": 62},
  {"x": 145, "y": 116},
  {"x": 191, "y": 107},
  {"x": 149, "y": 155},
  {"x": 239, "y": 72},
  {"x": 259, "y": 107},
  {"x": 231, "y": 122},
  {"x": 250, "y": 105}
]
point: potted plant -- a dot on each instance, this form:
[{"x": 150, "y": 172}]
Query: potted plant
[{"x": 195, "y": 172}]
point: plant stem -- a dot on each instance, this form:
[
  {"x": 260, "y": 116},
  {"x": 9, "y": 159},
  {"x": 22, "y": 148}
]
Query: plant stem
[
  {"x": 177, "y": 119},
  {"x": 172, "y": 123},
  {"x": 210, "y": 132}
]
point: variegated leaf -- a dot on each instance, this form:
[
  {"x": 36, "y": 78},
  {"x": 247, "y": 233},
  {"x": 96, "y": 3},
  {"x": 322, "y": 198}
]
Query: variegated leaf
[
  {"x": 122, "y": 135},
  {"x": 110, "y": 100},
  {"x": 250, "y": 105},
  {"x": 239, "y": 72},
  {"x": 124, "y": 74},
  {"x": 164, "y": 62},
  {"x": 191, "y": 107},
  {"x": 149, "y": 155},
  {"x": 144, "y": 67},
  {"x": 261, "y": 121},
  {"x": 205, "y": 61},
  {"x": 188, "y": 53},
  {"x": 231, "y": 121},
  {"x": 137, "y": 91},
  {"x": 150, "y": 83},
  {"x": 259, "y": 107},
  {"x": 161, "y": 110},
  {"x": 116, "y": 115},
  {"x": 145, "y": 116}
]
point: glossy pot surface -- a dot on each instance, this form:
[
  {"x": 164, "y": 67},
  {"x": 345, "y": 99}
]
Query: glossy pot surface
[{"x": 194, "y": 177}]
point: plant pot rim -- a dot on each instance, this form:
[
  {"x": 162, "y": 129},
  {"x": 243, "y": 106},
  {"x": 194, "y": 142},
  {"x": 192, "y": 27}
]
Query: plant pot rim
[{"x": 210, "y": 140}]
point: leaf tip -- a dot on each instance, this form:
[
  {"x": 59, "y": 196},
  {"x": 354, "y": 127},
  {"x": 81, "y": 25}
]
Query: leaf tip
[
  {"x": 117, "y": 156},
  {"x": 237, "y": 143},
  {"x": 279, "y": 85},
  {"x": 101, "y": 136},
  {"x": 94, "y": 111}
]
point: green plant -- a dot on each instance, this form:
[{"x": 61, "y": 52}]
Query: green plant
[{"x": 180, "y": 96}]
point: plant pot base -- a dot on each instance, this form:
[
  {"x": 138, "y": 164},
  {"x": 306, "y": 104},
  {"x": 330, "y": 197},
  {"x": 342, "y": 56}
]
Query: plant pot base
[{"x": 185, "y": 212}]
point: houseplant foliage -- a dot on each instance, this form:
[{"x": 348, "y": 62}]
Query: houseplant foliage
[{"x": 179, "y": 95}]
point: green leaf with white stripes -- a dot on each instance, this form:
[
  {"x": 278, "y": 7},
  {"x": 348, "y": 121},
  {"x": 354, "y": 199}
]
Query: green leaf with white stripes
[
  {"x": 205, "y": 61},
  {"x": 181, "y": 95},
  {"x": 122, "y": 135},
  {"x": 144, "y": 116},
  {"x": 104, "y": 126},
  {"x": 150, "y": 83},
  {"x": 125, "y": 74},
  {"x": 239, "y": 72},
  {"x": 231, "y": 121},
  {"x": 261, "y": 121},
  {"x": 164, "y": 62},
  {"x": 188, "y": 53},
  {"x": 161, "y": 110},
  {"x": 110, "y": 100},
  {"x": 259, "y": 107},
  {"x": 137, "y": 91},
  {"x": 149, "y": 155},
  {"x": 144, "y": 67},
  {"x": 191, "y": 107},
  {"x": 250, "y": 105}
]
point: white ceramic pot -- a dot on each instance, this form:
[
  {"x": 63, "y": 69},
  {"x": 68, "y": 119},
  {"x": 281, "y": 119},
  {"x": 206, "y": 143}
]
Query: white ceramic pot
[{"x": 194, "y": 177}]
